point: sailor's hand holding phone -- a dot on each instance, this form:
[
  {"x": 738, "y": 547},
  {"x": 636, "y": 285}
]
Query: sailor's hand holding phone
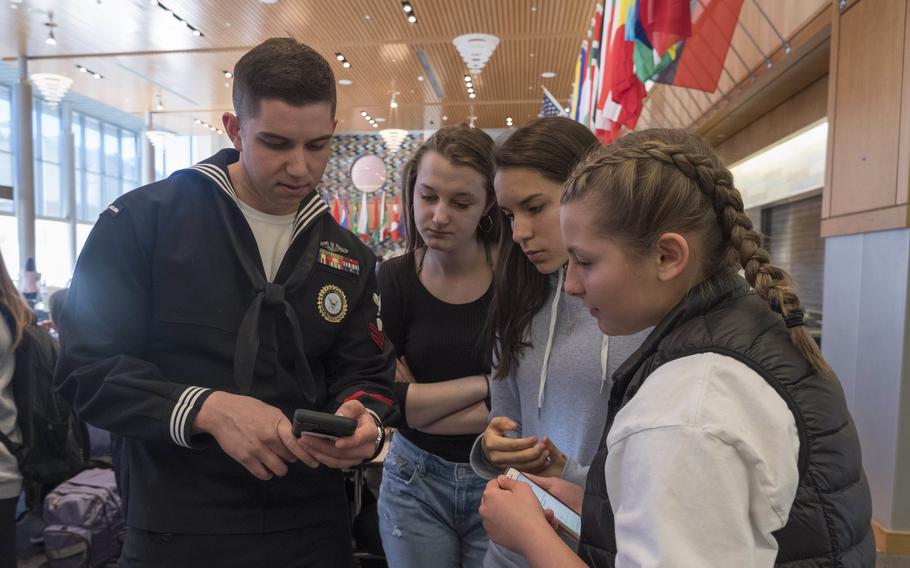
[{"x": 342, "y": 440}]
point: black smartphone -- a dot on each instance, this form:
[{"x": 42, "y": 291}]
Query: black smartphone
[{"x": 322, "y": 424}]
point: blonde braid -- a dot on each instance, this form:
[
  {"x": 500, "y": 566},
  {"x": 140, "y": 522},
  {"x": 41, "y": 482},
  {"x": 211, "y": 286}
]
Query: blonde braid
[{"x": 742, "y": 244}]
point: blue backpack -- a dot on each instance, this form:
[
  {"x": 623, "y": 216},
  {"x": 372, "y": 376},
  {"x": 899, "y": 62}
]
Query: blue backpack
[{"x": 83, "y": 521}]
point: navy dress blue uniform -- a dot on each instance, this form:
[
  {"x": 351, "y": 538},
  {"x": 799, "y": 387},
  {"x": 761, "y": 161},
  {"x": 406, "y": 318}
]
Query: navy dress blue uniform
[{"x": 169, "y": 302}]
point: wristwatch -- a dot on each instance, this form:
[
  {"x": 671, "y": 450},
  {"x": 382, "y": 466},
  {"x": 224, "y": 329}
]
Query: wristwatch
[{"x": 380, "y": 435}]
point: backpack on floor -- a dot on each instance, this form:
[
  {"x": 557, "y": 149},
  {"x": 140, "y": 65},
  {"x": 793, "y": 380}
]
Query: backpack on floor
[
  {"x": 83, "y": 521},
  {"x": 54, "y": 442}
]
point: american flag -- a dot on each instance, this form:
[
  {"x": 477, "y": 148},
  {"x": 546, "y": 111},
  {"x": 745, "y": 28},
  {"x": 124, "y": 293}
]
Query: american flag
[{"x": 549, "y": 106}]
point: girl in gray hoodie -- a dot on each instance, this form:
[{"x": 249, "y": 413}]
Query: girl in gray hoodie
[{"x": 551, "y": 385}]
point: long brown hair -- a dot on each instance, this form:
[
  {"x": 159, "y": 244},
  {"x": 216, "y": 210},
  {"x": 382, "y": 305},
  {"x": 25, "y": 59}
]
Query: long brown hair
[
  {"x": 551, "y": 147},
  {"x": 13, "y": 304},
  {"x": 462, "y": 146},
  {"x": 660, "y": 180}
]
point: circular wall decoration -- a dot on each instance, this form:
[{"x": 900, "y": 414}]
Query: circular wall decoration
[{"x": 368, "y": 174}]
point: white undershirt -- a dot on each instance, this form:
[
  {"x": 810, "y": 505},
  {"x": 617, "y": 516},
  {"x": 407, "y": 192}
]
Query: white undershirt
[
  {"x": 273, "y": 236},
  {"x": 702, "y": 467}
]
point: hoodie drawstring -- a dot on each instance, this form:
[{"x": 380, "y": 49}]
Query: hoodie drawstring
[{"x": 554, "y": 309}]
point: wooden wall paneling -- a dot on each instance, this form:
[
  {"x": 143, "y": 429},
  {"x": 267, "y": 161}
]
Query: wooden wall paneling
[
  {"x": 867, "y": 107},
  {"x": 807, "y": 107},
  {"x": 894, "y": 217}
]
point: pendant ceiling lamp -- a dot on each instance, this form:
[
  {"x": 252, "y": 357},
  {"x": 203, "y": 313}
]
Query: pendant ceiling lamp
[
  {"x": 476, "y": 50},
  {"x": 393, "y": 137},
  {"x": 52, "y": 87},
  {"x": 158, "y": 138}
]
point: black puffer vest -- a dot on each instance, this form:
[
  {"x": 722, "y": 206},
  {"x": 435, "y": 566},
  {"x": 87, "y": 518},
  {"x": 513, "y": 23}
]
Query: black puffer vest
[{"x": 830, "y": 521}]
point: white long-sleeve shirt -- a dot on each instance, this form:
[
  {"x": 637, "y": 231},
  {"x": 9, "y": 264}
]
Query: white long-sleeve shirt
[{"x": 702, "y": 467}]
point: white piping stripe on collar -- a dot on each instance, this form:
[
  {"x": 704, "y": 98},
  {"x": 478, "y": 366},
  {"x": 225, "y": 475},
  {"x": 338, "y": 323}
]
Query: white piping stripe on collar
[
  {"x": 306, "y": 214},
  {"x": 218, "y": 176}
]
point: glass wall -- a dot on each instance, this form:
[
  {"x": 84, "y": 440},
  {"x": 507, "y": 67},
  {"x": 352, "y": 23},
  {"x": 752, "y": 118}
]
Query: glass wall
[
  {"x": 50, "y": 197},
  {"x": 6, "y": 145},
  {"x": 107, "y": 164}
]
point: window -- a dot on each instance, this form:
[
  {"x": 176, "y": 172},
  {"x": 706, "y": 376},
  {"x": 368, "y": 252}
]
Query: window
[
  {"x": 52, "y": 252},
  {"x": 6, "y": 145},
  {"x": 50, "y": 198},
  {"x": 107, "y": 165}
]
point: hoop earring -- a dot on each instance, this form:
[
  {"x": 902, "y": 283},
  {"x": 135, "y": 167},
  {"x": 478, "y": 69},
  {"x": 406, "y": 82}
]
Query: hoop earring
[{"x": 489, "y": 227}]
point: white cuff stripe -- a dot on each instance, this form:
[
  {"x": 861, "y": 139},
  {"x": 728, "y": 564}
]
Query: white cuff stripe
[{"x": 181, "y": 411}]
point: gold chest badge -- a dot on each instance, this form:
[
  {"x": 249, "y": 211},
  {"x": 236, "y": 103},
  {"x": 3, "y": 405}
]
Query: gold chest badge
[{"x": 332, "y": 303}]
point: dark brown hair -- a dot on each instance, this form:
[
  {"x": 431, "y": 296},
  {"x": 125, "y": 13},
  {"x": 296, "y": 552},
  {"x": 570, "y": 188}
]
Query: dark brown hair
[
  {"x": 462, "y": 146},
  {"x": 658, "y": 181},
  {"x": 551, "y": 147},
  {"x": 14, "y": 305},
  {"x": 281, "y": 68}
]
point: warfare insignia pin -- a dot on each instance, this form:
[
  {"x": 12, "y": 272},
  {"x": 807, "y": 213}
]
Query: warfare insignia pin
[
  {"x": 332, "y": 303},
  {"x": 333, "y": 247}
]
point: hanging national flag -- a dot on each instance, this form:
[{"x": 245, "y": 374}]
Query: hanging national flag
[
  {"x": 700, "y": 59},
  {"x": 646, "y": 68},
  {"x": 336, "y": 209},
  {"x": 395, "y": 225},
  {"x": 374, "y": 215},
  {"x": 343, "y": 220},
  {"x": 606, "y": 111},
  {"x": 626, "y": 89},
  {"x": 382, "y": 227},
  {"x": 576, "y": 89},
  {"x": 549, "y": 106},
  {"x": 666, "y": 22},
  {"x": 363, "y": 219}
]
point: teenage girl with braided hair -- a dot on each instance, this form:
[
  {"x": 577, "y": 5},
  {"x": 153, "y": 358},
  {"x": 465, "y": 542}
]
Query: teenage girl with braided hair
[{"x": 728, "y": 441}]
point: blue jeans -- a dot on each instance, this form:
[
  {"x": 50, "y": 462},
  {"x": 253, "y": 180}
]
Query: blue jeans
[{"x": 428, "y": 510}]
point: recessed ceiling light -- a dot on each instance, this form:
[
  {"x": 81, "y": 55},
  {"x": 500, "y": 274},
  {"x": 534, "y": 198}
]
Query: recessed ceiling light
[
  {"x": 363, "y": 113},
  {"x": 472, "y": 96},
  {"x": 339, "y": 57},
  {"x": 548, "y": 74},
  {"x": 412, "y": 18},
  {"x": 345, "y": 82},
  {"x": 346, "y": 65},
  {"x": 444, "y": 117},
  {"x": 420, "y": 77},
  {"x": 532, "y": 55},
  {"x": 228, "y": 74}
]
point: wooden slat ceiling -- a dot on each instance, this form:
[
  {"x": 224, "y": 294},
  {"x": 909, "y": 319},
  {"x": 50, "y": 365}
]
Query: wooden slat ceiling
[{"x": 141, "y": 51}]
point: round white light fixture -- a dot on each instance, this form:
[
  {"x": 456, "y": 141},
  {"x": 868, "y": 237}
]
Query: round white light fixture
[
  {"x": 345, "y": 82},
  {"x": 157, "y": 137},
  {"x": 475, "y": 50},
  {"x": 393, "y": 138},
  {"x": 53, "y": 87},
  {"x": 548, "y": 74}
]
